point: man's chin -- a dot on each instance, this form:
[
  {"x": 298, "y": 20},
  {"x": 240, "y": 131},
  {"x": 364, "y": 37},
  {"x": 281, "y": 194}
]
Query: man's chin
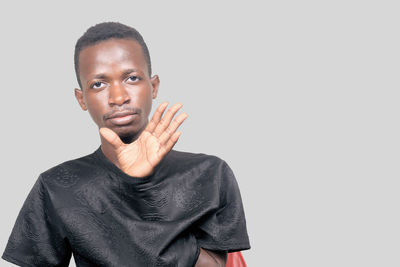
[{"x": 128, "y": 133}]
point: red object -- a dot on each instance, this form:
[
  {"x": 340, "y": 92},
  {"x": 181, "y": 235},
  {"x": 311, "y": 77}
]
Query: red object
[{"x": 235, "y": 259}]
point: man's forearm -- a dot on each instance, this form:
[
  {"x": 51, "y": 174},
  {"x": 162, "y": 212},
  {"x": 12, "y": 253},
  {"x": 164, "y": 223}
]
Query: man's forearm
[{"x": 209, "y": 258}]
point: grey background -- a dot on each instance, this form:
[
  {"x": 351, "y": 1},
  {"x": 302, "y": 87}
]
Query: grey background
[{"x": 299, "y": 97}]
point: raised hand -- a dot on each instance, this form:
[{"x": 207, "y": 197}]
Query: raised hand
[{"x": 139, "y": 158}]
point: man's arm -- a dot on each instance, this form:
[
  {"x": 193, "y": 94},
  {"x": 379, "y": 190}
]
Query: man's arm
[{"x": 208, "y": 258}]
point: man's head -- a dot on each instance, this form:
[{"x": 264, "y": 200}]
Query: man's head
[
  {"x": 113, "y": 69},
  {"x": 105, "y": 31}
]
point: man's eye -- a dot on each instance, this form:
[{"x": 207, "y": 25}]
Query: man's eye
[
  {"x": 97, "y": 85},
  {"x": 133, "y": 79}
]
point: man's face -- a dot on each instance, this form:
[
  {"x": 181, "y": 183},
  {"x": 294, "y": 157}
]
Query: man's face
[{"x": 116, "y": 86}]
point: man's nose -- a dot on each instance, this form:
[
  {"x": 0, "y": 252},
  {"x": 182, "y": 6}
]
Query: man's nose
[{"x": 118, "y": 95}]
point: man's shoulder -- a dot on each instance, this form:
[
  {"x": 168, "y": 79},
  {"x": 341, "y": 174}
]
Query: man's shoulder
[
  {"x": 190, "y": 157},
  {"x": 69, "y": 172},
  {"x": 183, "y": 161}
]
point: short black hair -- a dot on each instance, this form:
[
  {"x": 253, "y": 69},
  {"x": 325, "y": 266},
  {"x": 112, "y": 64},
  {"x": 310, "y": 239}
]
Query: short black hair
[{"x": 104, "y": 31}]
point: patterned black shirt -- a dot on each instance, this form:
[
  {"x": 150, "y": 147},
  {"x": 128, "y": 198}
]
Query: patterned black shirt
[{"x": 90, "y": 208}]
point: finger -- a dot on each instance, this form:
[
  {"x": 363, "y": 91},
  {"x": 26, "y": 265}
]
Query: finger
[
  {"x": 156, "y": 117},
  {"x": 171, "y": 129},
  {"x": 111, "y": 137},
  {"x": 170, "y": 144},
  {"x": 166, "y": 120}
]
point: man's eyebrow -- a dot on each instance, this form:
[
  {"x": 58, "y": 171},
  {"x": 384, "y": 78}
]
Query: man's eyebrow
[
  {"x": 128, "y": 71},
  {"x": 100, "y": 76},
  {"x": 104, "y": 76}
]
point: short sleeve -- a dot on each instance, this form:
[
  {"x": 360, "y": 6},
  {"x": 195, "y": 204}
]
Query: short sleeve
[
  {"x": 225, "y": 229},
  {"x": 36, "y": 239}
]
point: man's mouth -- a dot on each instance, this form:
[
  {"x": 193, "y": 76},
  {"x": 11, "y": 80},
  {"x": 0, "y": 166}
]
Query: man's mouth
[{"x": 121, "y": 118}]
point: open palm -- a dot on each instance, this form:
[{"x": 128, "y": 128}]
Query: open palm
[{"x": 140, "y": 157}]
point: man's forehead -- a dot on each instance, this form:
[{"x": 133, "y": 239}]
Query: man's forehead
[
  {"x": 122, "y": 53},
  {"x": 112, "y": 49}
]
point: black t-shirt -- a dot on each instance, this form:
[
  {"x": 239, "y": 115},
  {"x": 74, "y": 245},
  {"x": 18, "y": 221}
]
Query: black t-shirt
[{"x": 90, "y": 208}]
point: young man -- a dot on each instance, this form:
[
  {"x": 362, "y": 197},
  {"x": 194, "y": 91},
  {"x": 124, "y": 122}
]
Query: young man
[{"x": 134, "y": 201}]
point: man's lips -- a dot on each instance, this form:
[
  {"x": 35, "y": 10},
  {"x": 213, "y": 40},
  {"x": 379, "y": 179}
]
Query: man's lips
[
  {"x": 121, "y": 114},
  {"x": 120, "y": 118}
]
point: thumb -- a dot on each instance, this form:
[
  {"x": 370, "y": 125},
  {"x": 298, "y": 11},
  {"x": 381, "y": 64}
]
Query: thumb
[{"x": 111, "y": 137}]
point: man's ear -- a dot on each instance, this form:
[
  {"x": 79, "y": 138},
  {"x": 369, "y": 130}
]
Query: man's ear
[
  {"x": 79, "y": 97},
  {"x": 155, "y": 82}
]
